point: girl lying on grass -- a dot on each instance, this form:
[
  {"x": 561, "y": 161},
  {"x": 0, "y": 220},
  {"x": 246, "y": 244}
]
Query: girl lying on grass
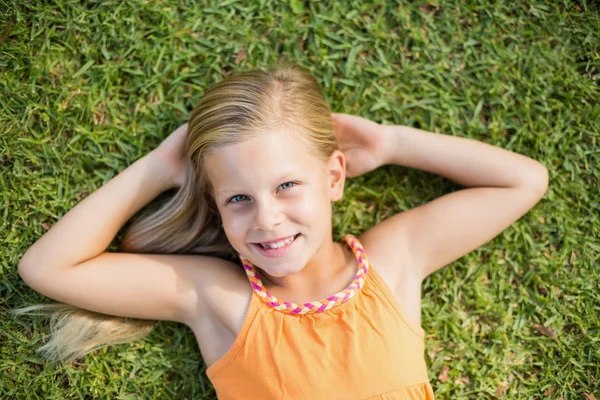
[{"x": 256, "y": 170}]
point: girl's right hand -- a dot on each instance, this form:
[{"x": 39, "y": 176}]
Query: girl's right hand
[{"x": 171, "y": 154}]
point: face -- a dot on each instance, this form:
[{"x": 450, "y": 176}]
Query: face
[{"x": 270, "y": 187}]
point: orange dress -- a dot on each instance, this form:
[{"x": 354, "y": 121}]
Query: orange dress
[{"x": 355, "y": 345}]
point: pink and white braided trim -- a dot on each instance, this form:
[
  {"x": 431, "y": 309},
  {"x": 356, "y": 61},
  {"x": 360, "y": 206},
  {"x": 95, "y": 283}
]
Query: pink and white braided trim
[{"x": 315, "y": 306}]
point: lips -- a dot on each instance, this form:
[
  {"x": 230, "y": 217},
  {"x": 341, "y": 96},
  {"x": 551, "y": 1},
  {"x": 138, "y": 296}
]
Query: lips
[
  {"x": 278, "y": 252},
  {"x": 277, "y": 240}
]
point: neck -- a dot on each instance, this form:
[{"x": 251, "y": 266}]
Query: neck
[{"x": 331, "y": 270}]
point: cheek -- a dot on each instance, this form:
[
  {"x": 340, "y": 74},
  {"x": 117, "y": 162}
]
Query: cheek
[
  {"x": 309, "y": 206},
  {"x": 234, "y": 223}
]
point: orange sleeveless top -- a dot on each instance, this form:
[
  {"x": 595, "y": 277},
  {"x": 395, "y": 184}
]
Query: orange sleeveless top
[{"x": 355, "y": 345}]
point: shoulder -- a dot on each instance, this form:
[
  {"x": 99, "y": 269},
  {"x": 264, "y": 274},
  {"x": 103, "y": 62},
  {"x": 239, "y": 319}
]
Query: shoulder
[
  {"x": 223, "y": 291},
  {"x": 391, "y": 261}
]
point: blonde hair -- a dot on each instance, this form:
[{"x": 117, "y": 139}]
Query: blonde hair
[{"x": 287, "y": 98}]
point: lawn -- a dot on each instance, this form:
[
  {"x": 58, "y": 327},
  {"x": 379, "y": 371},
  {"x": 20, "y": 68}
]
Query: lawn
[{"x": 86, "y": 88}]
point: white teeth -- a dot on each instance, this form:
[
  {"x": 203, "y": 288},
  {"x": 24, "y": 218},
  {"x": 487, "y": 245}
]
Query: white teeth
[{"x": 278, "y": 244}]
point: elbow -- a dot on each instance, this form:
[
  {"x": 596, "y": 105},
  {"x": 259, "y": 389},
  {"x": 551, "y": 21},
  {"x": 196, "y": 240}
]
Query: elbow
[
  {"x": 25, "y": 271},
  {"x": 36, "y": 273},
  {"x": 541, "y": 180},
  {"x": 537, "y": 184},
  {"x": 28, "y": 269},
  {"x": 535, "y": 181}
]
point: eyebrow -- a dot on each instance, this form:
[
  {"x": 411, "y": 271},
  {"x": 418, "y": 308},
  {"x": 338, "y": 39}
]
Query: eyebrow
[{"x": 236, "y": 190}]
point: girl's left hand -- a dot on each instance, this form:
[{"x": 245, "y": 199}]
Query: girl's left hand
[{"x": 362, "y": 141}]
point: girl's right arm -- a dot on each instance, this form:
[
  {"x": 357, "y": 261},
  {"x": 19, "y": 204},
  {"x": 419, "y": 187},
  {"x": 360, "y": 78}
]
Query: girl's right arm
[{"x": 69, "y": 263}]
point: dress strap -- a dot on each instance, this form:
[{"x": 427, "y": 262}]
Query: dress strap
[{"x": 315, "y": 306}]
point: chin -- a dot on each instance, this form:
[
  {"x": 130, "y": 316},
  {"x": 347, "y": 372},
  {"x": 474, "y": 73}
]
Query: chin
[{"x": 279, "y": 269}]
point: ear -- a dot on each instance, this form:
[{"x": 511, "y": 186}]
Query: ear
[{"x": 336, "y": 168}]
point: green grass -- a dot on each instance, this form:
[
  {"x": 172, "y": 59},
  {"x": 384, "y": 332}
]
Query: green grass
[{"x": 89, "y": 87}]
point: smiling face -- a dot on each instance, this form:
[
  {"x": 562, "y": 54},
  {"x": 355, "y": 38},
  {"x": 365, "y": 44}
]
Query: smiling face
[{"x": 270, "y": 187}]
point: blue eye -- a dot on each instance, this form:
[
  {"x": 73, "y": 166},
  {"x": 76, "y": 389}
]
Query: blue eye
[
  {"x": 293, "y": 184},
  {"x": 232, "y": 200}
]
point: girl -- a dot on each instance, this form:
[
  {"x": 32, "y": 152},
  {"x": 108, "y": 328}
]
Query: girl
[{"x": 256, "y": 171}]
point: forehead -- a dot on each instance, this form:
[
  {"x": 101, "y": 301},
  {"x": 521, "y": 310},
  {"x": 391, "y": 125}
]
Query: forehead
[{"x": 261, "y": 159}]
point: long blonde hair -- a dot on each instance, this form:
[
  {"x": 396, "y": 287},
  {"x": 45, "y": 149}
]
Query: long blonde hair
[{"x": 286, "y": 97}]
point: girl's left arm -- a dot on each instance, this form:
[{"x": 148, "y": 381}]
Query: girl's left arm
[{"x": 501, "y": 187}]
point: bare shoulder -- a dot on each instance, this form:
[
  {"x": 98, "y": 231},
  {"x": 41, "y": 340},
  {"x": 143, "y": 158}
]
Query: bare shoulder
[
  {"x": 392, "y": 262},
  {"x": 394, "y": 265},
  {"x": 225, "y": 292}
]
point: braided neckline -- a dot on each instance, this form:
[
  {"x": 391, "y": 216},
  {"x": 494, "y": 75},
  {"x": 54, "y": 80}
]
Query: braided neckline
[{"x": 315, "y": 306}]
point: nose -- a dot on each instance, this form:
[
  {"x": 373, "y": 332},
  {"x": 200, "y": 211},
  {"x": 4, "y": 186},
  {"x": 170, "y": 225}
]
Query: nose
[{"x": 267, "y": 215}]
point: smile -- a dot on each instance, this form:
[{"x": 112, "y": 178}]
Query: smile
[
  {"x": 280, "y": 243},
  {"x": 278, "y": 248}
]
